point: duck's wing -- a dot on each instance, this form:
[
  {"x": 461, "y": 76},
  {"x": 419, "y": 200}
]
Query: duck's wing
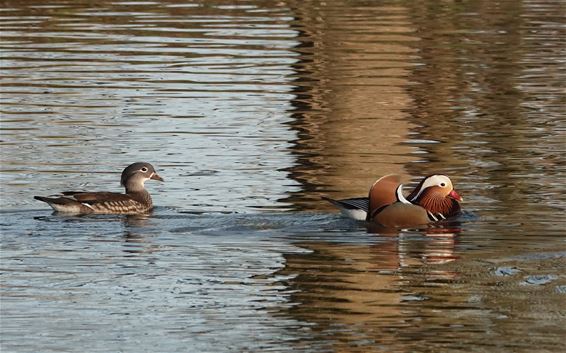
[
  {"x": 355, "y": 208},
  {"x": 78, "y": 202},
  {"x": 383, "y": 192},
  {"x": 66, "y": 204},
  {"x": 97, "y": 197}
]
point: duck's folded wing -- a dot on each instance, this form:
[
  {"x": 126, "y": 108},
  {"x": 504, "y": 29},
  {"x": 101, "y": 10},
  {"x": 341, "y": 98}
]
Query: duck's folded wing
[
  {"x": 383, "y": 191},
  {"x": 111, "y": 203},
  {"x": 96, "y": 197},
  {"x": 360, "y": 203},
  {"x": 355, "y": 208}
]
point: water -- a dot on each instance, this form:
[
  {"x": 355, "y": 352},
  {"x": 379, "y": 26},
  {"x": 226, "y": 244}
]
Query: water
[{"x": 251, "y": 111}]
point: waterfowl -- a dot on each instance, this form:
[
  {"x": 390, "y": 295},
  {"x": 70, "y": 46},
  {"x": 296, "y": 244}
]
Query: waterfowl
[
  {"x": 136, "y": 200},
  {"x": 433, "y": 199}
]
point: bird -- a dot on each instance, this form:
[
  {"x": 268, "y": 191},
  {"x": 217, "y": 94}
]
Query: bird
[
  {"x": 136, "y": 200},
  {"x": 433, "y": 199}
]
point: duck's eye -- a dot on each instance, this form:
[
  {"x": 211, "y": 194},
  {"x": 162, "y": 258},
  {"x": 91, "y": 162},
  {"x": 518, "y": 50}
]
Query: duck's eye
[
  {"x": 144, "y": 169},
  {"x": 443, "y": 184}
]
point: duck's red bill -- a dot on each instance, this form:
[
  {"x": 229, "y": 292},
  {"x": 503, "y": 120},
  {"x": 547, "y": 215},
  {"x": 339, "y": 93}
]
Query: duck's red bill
[{"x": 453, "y": 194}]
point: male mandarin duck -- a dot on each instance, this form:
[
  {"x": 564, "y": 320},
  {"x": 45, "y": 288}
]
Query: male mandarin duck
[
  {"x": 136, "y": 200},
  {"x": 433, "y": 199}
]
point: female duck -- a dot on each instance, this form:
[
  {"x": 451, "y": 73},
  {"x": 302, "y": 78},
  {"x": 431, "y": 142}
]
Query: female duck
[{"x": 136, "y": 200}]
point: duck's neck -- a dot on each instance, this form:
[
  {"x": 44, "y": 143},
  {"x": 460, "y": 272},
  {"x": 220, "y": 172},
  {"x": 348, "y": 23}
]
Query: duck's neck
[
  {"x": 137, "y": 191},
  {"x": 141, "y": 196},
  {"x": 135, "y": 185}
]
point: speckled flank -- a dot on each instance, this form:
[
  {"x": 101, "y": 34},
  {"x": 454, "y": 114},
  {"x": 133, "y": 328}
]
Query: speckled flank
[{"x": 121, "y": 207}]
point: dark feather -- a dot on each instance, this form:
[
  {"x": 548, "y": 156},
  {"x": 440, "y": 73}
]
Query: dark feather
[
  {"x": 95, "y": 197},
  {"x": 358, "y": 203},
  {"x": 56, "y": 200}
]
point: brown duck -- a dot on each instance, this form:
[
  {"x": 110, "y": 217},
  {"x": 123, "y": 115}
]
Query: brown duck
[
  {"x": 136, "y": 200},
  {"x": 434, "y": 199}
]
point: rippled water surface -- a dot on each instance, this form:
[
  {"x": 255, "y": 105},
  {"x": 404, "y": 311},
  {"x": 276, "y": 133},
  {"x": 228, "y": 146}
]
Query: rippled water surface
[{"x": 251, "y": 111}]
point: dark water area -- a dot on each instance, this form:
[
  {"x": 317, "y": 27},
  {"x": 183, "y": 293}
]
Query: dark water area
[{"x": 251, "y": 111}]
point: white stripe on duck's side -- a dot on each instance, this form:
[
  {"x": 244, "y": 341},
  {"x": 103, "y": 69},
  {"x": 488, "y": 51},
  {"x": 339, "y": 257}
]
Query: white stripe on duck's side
[
  {"x": 435, "y": 217},
  {"x": 87, "y": 205},
  {"x": 400, "y": 197},
  {"x": 431, "y": 216}
]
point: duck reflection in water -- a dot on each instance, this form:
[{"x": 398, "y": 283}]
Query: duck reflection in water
[
  {"x": 365, "y": 292},
  {"x": 137, "y": 240},
  {"x": 447, "y": 228}
]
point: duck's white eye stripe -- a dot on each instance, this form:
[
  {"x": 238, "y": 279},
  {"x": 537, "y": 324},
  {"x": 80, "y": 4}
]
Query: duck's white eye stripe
[{"x": 435, "y": 180}]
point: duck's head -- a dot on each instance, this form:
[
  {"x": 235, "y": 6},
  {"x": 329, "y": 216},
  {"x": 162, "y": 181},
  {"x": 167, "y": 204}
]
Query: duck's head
[
  {"x": 436, "y": 194},
  {"x": 136, "y": 174}
]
